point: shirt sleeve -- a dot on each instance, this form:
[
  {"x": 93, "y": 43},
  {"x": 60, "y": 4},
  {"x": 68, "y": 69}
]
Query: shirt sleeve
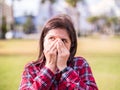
[
  {"x": 40, "y": 82},
  {"x": 80, "y": 79}
]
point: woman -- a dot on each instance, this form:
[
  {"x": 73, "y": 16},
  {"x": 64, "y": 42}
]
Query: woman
[{"x": 56, "y": 67}]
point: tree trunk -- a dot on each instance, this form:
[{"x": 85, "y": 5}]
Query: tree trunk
[
  {"x": 4, "y": 27},
  {"x": 75, "y": 15}
]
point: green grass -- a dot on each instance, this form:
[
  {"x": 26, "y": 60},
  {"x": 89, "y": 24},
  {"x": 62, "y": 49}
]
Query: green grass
[
  {"x": 10, "y": 71},
  {"x": 103, "y": 56}
]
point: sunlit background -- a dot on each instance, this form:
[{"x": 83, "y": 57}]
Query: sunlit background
[{"x": 97, "y": 24}]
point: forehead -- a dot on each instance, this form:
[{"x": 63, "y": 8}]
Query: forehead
[{"x": 61, "y": 33}]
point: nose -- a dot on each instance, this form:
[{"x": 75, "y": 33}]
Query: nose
[{"x": 59, "y": 39}]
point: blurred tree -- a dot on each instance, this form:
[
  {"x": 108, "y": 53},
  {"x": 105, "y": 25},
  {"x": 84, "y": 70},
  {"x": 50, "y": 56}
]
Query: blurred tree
[
  {"x": 74, "y": 12},
  {"x": 50, "y": 6},
  {"x": 52, "y": 1},
  {"x": 12, "y": 25},
  {"x": 114, "y": 20},
  {"x": 111, "y": 24},
  {"x": 73, "y": 3},
  {"x": 29, "y": 26},
  {"x": 12, "y": 6},
  {"x": 114, "y": 23},
  {"x": 3, "y": 27},
  {"x": 93, "y": 19}
]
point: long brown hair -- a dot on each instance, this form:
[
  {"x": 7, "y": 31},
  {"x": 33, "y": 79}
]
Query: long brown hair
[{"x": 63, "y": 22}]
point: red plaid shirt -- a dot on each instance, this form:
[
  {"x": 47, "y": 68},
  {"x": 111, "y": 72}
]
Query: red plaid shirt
[{"x": 74, "y": 77}]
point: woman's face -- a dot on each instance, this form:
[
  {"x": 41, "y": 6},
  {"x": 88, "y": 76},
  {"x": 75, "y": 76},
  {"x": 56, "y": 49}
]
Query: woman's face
[{"x": 57, "y": 34}]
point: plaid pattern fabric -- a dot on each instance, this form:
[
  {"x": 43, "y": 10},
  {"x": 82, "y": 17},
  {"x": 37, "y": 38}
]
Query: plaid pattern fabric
[{"x": 73, "y": 77}]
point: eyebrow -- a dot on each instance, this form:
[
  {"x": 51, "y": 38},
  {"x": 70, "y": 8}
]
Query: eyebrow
[{"x": 55, "y": 36}]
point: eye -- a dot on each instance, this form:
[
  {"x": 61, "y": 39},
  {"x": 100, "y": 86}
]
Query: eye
[
  {"x": 52, "y": 38},
  {"x": 64, "y": 40}
]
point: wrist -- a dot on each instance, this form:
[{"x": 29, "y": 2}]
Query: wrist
[
  {"x": 51, "y": 67},
  {"x": 62, "y": 68}
]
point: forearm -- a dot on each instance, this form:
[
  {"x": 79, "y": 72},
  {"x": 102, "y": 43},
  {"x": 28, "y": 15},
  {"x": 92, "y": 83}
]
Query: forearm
[{"x": 51, "y": 67}]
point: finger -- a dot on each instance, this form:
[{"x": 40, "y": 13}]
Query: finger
[
  {"x": 61, "y": 44},
  {"x": 59, "y": 47},
  {"x": 54, "y": 48},
  {"x": 53, "y": 44},
  {"x": 50, "y": 46}
]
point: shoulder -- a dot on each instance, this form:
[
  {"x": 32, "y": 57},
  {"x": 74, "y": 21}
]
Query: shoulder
[
  {"x": 34, "y": 65},
  {"x": 31, "y": 68},
  {"x": 80, "y": 61},
  {"x": 30, "y": 65}
]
